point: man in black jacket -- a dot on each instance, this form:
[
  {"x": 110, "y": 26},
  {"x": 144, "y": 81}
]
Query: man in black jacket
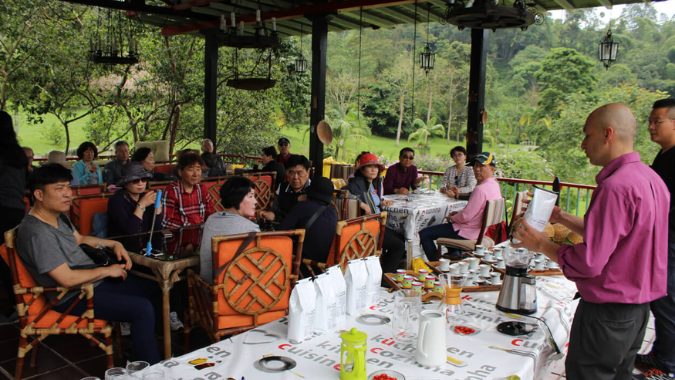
[{"x": 289, "y": 191}]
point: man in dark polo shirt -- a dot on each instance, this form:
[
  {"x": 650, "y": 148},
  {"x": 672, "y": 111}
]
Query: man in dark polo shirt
[
  {"x": 288, "y": 192},
  {"x": 660, "y": 363},
  {"x": 284, "y": 151}
]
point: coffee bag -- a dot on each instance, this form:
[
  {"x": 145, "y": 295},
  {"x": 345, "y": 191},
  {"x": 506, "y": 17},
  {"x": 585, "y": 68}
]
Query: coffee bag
[
  {"x": 301, "y": 311},
  {"x": 356, "y": 279},
  {"x": 374, "y": 279},
  {"x": 326, "y": 305},
  {"x": 340, "y": 287}
]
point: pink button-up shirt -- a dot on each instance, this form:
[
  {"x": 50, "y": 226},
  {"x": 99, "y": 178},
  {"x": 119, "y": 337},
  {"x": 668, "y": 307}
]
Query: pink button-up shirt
[
  {"x": 469, "y": 220},
  {"x": 624, "y": 256}
]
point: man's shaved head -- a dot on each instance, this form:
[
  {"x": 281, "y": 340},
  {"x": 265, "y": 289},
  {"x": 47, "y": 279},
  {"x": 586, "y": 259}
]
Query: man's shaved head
[{"x": 619, "y": 117}]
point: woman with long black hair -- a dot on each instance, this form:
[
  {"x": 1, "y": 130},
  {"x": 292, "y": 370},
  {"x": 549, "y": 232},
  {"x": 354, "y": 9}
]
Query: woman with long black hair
[{"x": 13, "y": 168}]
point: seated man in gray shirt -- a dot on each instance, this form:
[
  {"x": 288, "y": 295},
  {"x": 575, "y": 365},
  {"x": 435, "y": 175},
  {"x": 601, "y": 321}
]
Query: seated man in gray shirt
[
  {"x": 237, "y": 196},
  {"x": 48, "y": 246}
]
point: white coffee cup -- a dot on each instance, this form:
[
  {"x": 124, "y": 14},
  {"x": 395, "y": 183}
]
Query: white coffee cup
[
  {"x": 444, "y": 264},
  {"x": 501, "y": 264},
  {"x": 463, "y": 267},
  {"x": 473, "y": 262},
  {"x": 498, "y": 253},
  {"x": 480, "y": 249},
  {"x": 454, "y": 268},
  {"x": 488, "y": 256},
  {"x": 541, "y": 256},
  {"x": 539, "y": 264},
  {"x": 485, "y": 270},
  {"x": 495, "y": 278},
  {"x": 553, "y": 265}
]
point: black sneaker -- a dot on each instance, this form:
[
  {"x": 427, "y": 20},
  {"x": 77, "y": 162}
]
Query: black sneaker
[{"x": 647, "y": 362}]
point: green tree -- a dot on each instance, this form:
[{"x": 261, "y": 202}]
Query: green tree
[
  {"x": 424, "y": 130},
  {"x": 564, "y": 71}
]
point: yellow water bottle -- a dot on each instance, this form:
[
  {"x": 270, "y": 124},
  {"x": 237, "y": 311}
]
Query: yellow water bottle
[{"x": 353, "y": 355}]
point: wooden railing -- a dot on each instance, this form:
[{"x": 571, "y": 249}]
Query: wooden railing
[{"x": 574, "y": 198}]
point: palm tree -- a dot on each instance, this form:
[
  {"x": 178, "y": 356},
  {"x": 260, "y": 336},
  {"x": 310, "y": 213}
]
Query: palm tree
[
  {"x": 424, "y": 130},
  {"x": 347, "y": 125}
]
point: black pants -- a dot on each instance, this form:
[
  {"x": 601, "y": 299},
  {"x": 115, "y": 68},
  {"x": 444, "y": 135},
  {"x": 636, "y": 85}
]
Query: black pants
[
  {"x": 605, "y": 339},
  {"x": 664, "y": 318},
  {"x": 11, "y": 217},
  {"x": 393, "y": 249}
]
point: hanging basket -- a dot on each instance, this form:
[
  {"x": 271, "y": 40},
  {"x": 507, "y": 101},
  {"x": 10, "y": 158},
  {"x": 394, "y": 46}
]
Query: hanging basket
[{"x": 251, "y": 84}]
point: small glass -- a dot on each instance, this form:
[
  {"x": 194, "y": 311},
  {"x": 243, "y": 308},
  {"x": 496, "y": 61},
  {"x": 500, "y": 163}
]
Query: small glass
[
  {"x": 114, "y": 371},
  {"x": 137, "y": 367},
  {"x": 405, "y": 322},
  {"x": 153, "y": 374}
]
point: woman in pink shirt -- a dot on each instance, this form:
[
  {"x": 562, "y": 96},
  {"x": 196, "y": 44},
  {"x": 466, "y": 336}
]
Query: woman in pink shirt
[{"x": 466, "y": 223}]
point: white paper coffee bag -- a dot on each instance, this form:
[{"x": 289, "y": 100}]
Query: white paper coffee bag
[
  {"x": 539, "y": 210},
  {"x": 340, "y": 288},
  {"x": 356, "y": 278},
  {"x": 326, "y": 305},
  {"x": 301, "y": 311},
  {"x": 374, "y": 279}
]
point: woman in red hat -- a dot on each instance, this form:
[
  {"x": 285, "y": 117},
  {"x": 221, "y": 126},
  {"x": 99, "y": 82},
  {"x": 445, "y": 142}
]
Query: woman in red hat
[{"x": 366, "y": 186}]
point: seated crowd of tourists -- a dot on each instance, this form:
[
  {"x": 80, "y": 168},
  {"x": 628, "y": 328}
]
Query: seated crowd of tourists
[{"x": 629, "y": 193}]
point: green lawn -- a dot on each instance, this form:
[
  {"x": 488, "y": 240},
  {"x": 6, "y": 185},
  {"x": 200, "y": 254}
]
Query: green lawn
[{"x": 35, "y": 135}]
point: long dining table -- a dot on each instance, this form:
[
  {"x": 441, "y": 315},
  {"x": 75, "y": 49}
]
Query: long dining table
[{"x": 474, "y": 347}]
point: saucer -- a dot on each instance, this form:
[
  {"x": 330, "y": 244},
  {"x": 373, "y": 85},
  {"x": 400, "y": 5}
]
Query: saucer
[
  {"x": 478, "y": 254},
  {"x": 490, "y": 261}
]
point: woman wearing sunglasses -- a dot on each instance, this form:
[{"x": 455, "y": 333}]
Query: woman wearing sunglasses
[{"x": 131, "y": 209}]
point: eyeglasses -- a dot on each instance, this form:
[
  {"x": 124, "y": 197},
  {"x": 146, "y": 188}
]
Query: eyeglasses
[
  {"x": 658, "y": 122},
  {"x": 408, "y": 157},
  {"x": 457, "y": 155},
  {"x": 293, "y": 173},
  {"x": 137, "y": 181}
]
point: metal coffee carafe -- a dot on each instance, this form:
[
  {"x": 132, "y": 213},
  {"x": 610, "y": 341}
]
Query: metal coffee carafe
[{"x": 519, "y": 293}]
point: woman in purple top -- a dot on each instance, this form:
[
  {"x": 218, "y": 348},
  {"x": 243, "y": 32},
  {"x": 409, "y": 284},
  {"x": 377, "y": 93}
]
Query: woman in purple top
[{"x": 402, "y": 176}]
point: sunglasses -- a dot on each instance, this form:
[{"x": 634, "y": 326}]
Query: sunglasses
[
  {"x": 137, "y": 181},
  {"x": 408, "y": 157}
]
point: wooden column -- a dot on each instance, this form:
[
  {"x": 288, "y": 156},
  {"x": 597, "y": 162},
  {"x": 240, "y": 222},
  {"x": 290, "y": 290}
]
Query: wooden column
[
  {"x": 211, "y": 86},
  {"x": 479, "y": 49},
  {"x": 318, "y": 99}
]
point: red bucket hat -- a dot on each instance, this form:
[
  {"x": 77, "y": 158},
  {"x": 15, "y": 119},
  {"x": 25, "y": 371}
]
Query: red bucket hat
[{"x": 370, "y": 159}]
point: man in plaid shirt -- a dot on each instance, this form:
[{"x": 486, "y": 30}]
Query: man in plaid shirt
[{"x": 186, "y": 203}]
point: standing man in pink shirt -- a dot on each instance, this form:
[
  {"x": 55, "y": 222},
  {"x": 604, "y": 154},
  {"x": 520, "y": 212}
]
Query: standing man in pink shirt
[
  {"x": 466, "y": 223},
  {"x": 621, "y": 265}
]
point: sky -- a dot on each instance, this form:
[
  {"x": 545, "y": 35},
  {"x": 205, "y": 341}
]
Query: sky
[{"x": 667, "y": 7}]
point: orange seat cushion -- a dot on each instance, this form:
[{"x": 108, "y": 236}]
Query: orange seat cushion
[
  {"x": 89, "y": 207},
  {"x": 245, "y": 294},
  {"x": 166, "y": 169}
]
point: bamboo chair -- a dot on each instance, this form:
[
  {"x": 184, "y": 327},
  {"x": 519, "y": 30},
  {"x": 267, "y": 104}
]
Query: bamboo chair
[
  {"x": 36, "y": 316},
  {"x": 354, "y": 239},
  {"x": 253, "y": 289},
  {"x": 265, "y": 189},
  {"x": 492, "y": 214}
]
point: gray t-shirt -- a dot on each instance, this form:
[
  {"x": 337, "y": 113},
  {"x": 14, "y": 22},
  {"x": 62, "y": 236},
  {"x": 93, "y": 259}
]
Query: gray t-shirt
[
  {"x": 220, "y": 223},
  {"x": 43, "y": 248}
]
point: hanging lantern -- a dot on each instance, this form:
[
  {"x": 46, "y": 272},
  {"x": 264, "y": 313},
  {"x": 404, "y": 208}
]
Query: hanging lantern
[
  {"x": 301, "y": 65},
  {"x": 427, "y": 59},
  {"x": 607, "y": 50},
  {"x": 301, "y": 62}
]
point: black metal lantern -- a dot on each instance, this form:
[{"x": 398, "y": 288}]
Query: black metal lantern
[
  {"x": 301, "y": 65},
  {"x": 607, "y": 50},
  {"x": 427, "y": 59},
  {"x": 301, "y": 62}
]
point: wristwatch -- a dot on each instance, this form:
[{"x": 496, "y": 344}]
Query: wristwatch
[{"x": 141, "y": 207}]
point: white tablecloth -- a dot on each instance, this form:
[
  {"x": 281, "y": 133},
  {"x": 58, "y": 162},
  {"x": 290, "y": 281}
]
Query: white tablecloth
[
  {"x": 412, "y": 213},
  {"x": 485, "y": 355}
]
